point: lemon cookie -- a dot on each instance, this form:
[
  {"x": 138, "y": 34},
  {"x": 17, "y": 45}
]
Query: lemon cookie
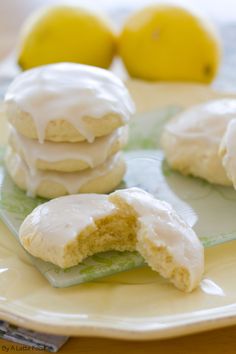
[
  {"x": 66, "y": 230},
  {"x": 191, "y": 140},
  {"x": 67, "y": 157},
  {"x": 227, "y": 151},
  {"x": 67, "y": 102},
  {"x": 48, "y": 184},
  {"x": 166, "y": 242}
]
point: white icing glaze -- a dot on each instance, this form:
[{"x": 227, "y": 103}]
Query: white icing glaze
[
  {"x": 71, "y": 181},
  {"x": 93, "y": 154},
  {"x": 165, "y": 228},
  {"x": 206, "y": 121},
  {"x": 71, "y": 92},
  {"x": 62, "y": 219},
  {"x": 228, "y": 151}
]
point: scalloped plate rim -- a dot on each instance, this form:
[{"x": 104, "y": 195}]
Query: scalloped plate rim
[{"x": 207, "y": 319}]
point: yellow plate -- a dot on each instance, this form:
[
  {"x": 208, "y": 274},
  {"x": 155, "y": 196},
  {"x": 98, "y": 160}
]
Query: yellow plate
[{"x": 133, "y": 305}]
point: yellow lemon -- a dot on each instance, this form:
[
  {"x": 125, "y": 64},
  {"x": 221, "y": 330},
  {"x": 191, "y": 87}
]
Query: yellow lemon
[
  {"x": 166, "y": 42},
  {"x": 66, "y": 34}
]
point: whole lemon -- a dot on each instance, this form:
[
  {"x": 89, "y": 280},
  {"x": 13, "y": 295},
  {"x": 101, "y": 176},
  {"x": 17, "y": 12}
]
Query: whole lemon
[
  {"x": 66, "y": 34},
  {"x": 166, "y": 42}
]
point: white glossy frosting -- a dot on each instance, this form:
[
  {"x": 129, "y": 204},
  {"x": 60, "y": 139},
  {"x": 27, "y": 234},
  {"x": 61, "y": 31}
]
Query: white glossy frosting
[
  {"x": 70, "y": 92},
  {"x": 228, "y": 151},
  {"x": 160, "y": 223},
  {"x": 72, "y": 182},
  {"x": 54, "y": 224},
  {"x": 206, "y": 121},
  {"x": 93, "y": 154}
]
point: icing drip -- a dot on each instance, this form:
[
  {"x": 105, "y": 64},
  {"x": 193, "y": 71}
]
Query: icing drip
[
  {"x": 72, "y": 182},
  {"x": 93, "y": 154}
]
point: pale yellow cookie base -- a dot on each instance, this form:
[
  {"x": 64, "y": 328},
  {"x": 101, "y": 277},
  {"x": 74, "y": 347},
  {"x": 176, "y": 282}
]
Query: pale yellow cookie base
[
  {"x": 114, "y": 232},
  {"x": 71, "y": 165},
  {"x": 194, "y": 159},
  {"x": 51, "y": 189},
  {"x": 61, "y": 130}
]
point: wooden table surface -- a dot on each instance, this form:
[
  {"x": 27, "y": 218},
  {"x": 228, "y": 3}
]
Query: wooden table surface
[{"x": 221, "y": 341}]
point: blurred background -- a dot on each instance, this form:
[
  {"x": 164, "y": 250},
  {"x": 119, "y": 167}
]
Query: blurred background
[{"x": 222, "y": 12}]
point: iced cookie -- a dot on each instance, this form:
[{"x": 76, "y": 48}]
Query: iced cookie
[
  {"x": 191, "y": 140},
  {"x": 66, "y": 230},
  {"x": 67, "y": 157},
  {"x": 67, "y": 102},
  {"x": 48, "y": 184},
  {"x": 166, "y": 242},
  {"x": 227, "y": 151}
]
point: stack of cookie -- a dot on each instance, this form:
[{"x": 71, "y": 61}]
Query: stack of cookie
[{"x": 68, "y": 123}]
